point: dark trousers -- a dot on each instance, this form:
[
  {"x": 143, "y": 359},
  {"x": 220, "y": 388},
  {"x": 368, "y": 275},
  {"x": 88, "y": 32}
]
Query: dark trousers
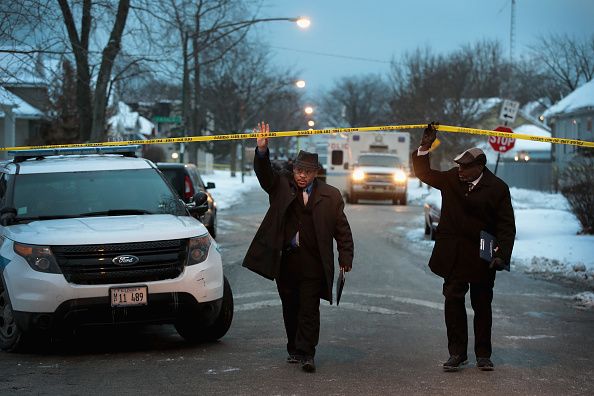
[
  {"x": 299, "y": 288},
  {"x": 481, "y": 296}
]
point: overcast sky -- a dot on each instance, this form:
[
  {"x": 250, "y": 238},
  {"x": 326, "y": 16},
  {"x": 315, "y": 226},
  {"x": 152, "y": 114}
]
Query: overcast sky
[{"x": 378, "y": 30}]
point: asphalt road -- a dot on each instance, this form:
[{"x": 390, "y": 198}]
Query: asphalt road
[{"x": 387, "y": 336}]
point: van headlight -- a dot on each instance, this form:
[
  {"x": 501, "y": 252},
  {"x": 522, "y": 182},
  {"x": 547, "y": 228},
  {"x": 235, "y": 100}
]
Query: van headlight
[
  {"x": 358, "y": 175},
  {"x": 399, "y": 176},
  {"x": 39, "y": 258},
  {"x": 198, "y": 249}
]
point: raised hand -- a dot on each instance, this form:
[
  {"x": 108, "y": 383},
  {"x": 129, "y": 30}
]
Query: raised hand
[
  {"x": 262, "y": 142},
  {"x": 429, "y": 136}
]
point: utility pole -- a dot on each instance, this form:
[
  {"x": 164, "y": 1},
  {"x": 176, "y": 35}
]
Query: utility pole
[{"x": 512, "y": 32}]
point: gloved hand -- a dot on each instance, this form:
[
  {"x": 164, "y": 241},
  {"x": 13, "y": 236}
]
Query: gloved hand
[
  {"x": 497, "y": 264},
  {"x": 429, "y": 136},
  {"x": 346, "y": 268}
]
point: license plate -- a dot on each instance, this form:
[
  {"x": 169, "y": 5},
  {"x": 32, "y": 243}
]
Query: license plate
[{"x": 128, "y": 296}]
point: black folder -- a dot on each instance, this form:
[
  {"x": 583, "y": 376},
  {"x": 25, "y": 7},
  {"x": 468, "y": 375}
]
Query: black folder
[
  {"x": 488, "y": 244},
  {"x": 339, "y": 285}
]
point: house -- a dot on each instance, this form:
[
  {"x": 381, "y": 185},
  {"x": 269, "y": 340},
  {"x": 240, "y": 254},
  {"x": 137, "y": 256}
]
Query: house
[
  {"x": 19, "y": 121},
  {"x": 23, "y": 100},
  {"x": 128, "y": 125},
  {"x": 571, "y": 118}
]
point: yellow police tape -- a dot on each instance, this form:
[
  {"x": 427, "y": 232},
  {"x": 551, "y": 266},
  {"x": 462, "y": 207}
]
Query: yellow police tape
[{"x": 236, "y": 136}]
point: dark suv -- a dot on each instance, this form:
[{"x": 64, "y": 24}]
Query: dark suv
[{"x": 186, "y": 180}]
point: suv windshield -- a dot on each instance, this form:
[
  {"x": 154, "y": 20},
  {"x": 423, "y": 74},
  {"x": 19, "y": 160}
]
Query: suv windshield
[
  {"x": 95, "y": 193},
  {"x": 379, "y": 160}
]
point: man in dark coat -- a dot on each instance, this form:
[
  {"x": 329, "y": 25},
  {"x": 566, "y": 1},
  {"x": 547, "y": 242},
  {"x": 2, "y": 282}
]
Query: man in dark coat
[
  {"x": 473, "y": 200},
  {"x": 294, "y": 245}
]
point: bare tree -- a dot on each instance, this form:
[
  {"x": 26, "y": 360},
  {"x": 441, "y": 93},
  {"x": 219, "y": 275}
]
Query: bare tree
[
  {"x": 243, "y": 89},
  {"x": 568, "y": 59},
  {"x": 447, "y": 88},
  {"x": 357, "y": 101},
  {"x": 92, "y": 107}
]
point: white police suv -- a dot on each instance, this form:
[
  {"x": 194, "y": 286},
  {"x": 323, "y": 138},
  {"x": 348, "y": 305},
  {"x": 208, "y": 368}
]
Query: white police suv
[{"x": 96, "y": 236}]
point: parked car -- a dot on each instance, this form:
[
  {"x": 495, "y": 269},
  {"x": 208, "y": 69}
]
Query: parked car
[
  {"x": 432, "y": 214},
  {"x": 186, "y": 180},
  {"x": 96, "y": 236}
]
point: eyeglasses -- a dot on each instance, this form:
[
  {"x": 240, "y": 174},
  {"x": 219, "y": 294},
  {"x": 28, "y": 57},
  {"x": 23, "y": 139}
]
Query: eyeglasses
[{"x": 307, "y": 172}]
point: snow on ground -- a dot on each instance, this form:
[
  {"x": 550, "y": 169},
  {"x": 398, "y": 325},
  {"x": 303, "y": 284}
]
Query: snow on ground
[
  {"x": 546, "y": 241},
  {"x": 228, "y": 190}
]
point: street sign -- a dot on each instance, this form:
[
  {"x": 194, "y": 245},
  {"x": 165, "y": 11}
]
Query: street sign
[
  {"x": 509, "y": 109},
  {"x": 502, "y": 144},
  {"x": 168, "y": 120}
]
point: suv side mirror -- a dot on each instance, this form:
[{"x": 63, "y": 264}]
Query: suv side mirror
[
  {"x": 7, "y": 216},
  {"x": 199, "y": 204},
  {"x": 210, "y": 185}
]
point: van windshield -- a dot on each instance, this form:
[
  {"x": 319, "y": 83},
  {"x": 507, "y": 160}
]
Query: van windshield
[
  {"x": 388, "y": 161},
  {"x": 94, "y": 193}
]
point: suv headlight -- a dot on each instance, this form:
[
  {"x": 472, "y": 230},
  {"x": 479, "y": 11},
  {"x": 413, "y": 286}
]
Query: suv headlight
[
  {"x": 39, "y": 258},
  {"x": 358, "y": 175},
  {"x": 198, "y": 249},
  {"x": 399, "y": 176}
]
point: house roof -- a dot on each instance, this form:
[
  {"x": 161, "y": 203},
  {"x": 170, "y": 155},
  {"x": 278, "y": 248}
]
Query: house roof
[
  {"x": 19, "y": 69},
  {"x": 529, "y": 145},
  {"x": 127, "y": 121},
  {"x": 20, "y": 108},
  {"x": 581, "y": 98}
]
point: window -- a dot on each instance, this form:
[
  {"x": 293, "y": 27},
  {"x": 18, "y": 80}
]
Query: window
[
  {"x": 74, "y": 193},
  {"x": 337, "y": 157}
]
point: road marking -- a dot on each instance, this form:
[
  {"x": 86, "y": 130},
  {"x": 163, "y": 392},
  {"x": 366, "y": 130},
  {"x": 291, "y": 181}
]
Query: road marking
[
  {"x": 254, "y": 294},
  {"x": 531, "y": 337},
  {"x": 406, "y": 300},
  {"x": 371, "y": 309},
  {"x": 352, "y": 306},
  {"x": 344, "y": 305},
  {"x": 257, "y": 305}
]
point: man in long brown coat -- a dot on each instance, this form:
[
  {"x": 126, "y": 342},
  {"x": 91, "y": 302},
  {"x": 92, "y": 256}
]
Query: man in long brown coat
[
  {"x": 473, "y": 200},
  {"x": 294, "y": 245}
]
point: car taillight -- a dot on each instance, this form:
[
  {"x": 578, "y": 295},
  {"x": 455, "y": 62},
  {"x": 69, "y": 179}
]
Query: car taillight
[{"x": 188, "y": 188}]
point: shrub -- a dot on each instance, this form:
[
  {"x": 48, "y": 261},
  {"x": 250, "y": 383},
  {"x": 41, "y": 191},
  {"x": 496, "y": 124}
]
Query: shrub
[{"x": 578, "y": 187}]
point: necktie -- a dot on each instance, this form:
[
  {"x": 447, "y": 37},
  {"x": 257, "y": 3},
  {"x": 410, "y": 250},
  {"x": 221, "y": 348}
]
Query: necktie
[{"x": 470, "y": 186}]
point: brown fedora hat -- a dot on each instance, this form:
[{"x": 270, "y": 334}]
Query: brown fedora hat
[{"x": 308, "y": 161}]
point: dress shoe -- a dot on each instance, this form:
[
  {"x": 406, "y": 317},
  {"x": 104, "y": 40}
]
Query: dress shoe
[
  {"x": 454, "y": 362},
  {"x": 308, "y": 365},
  {"x": 484, "y": 364},
  {"x": 294, "y": 358}
]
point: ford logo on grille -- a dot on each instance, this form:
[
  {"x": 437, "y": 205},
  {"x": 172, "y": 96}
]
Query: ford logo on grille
[{"x": 125, "y": 259}]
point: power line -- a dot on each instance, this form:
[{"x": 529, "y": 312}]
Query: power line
[{"x": 332, "y": 55}]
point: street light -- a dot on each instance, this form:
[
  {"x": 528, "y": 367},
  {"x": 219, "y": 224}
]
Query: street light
[
  {"x": 309, "y": 110},
  {"x": 300, "y": 83},
  {"x": 303, "y": 22},
  {"x": 311, "y": 123}
]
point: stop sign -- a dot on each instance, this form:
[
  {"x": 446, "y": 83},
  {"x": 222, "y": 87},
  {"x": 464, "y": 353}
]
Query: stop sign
[{"x": 502, "y": 144}]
